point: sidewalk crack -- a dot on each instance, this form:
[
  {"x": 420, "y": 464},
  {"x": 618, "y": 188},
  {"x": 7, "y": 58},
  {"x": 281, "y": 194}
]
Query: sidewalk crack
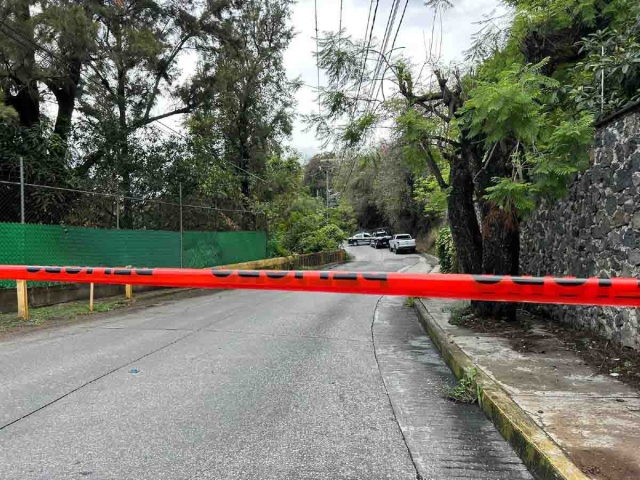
[{"x": 386, "y": 390}]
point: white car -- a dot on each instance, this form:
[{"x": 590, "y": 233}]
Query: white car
[
  {"x": 358, "y": 238},
  {"x": 402, "y": 242}
]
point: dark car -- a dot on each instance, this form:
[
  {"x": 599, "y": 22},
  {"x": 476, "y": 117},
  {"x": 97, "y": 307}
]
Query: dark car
[{"x": 380, "y": 238}]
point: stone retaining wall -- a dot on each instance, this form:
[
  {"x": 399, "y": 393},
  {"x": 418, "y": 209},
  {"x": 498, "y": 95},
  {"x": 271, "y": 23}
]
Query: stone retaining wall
[{"x": 595, "y": 229}]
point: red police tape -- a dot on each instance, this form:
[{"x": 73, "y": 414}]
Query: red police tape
[{"x": 622, "y": 292}]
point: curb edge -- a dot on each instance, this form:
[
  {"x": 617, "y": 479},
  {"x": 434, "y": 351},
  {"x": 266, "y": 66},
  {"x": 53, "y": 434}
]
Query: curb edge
[{"x": 540, "y": 454}]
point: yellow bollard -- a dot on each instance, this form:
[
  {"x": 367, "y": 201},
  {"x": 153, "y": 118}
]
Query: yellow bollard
[
  {"x": 91, "y": 297},
  {"x": 128, "y": 289},
  {"x": 23, "y": 299}
]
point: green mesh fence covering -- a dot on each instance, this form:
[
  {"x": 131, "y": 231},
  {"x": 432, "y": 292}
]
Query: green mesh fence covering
[{"x": 30, "y": 244}]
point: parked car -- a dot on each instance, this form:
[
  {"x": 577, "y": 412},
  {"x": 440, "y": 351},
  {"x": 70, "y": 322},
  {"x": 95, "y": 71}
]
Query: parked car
[
  {"x": 402, "y": 242},
  {"x": 381, "y": 238},
  {"x": 360, "y": 238}
]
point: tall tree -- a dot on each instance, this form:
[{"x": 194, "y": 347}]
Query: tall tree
[
  {"x": 251, "y": 111},
  {"x": 135, "y": 64},
  {"x": 509, "y": 132}
]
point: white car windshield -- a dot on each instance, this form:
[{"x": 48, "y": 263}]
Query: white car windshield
[{"x": 403, "y": 237}]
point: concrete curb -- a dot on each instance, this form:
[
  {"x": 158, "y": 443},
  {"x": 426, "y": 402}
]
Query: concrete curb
[
  {"x": 294, "y": 262},
  {"x": 542, "y": 456}
]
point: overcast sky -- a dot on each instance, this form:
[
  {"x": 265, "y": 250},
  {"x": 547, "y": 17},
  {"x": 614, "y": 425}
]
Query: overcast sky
[{"x": 457, "y": 25}]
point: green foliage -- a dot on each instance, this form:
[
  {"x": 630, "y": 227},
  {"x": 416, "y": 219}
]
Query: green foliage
[
  {"x": 445, "y": 251},
  {"x": 299, "y": 222},
  {"x": 613, "y": 52},
  {"x": 513, "y": 196},
  {"x": 512, "y": 106},
  {"x": 429, "y": 194},
  {"x": 564, "y": 151},
  {"x": 382, "y": 192},
  {"x": 467, "y": 390},
  {"x": 357, "y": 130},
  {"x": 460, "y": 312},
  {"x": 7, "y": 114},
  {"x": 329, "y": 237}
]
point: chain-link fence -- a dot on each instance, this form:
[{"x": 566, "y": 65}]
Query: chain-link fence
[
  {"x": 43, "y": 224},
  {"x": 43, "y": 204}
]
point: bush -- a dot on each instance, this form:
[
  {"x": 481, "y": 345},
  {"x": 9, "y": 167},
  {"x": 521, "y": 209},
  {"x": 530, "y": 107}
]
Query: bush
[
  {"x": 445, "y": 251},
  {"x": 329, "y": 237}
]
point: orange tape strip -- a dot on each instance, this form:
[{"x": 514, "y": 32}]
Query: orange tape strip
[{"x": 621, "y": 292}]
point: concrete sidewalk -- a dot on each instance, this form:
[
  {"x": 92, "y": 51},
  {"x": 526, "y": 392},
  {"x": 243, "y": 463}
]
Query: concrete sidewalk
[{"x": 544, "y": 400}]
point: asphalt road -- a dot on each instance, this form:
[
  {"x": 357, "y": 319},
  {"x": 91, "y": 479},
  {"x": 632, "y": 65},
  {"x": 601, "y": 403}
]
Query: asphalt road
[{"x": 235, "y": 385}]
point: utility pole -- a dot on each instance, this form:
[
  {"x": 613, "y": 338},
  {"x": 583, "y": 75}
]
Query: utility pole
[
  {"x": 327, "y": 195},
  {"x": 21, "y": 190},
  {"x": 181, "y": 259}
]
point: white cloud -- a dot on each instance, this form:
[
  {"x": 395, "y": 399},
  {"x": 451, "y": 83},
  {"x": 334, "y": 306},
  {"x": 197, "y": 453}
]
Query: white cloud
[{"x": 457, "y": 29}]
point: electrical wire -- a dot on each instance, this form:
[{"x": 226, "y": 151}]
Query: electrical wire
[
  {"x": 115, "y": 195},
  {"x": 317, "y": 57},
  {"x": 222, "y": 160},
  {"x": 355, "y": 105}
]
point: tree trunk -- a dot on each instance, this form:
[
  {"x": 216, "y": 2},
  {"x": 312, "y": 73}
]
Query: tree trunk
[
  {"x": 500, "y": 256},
  {"x": 65, "y": 92},
  {"x": 500, "y": 233},
  {"x": 462, "y": 217},
  {"x": 27, "y": 103}
]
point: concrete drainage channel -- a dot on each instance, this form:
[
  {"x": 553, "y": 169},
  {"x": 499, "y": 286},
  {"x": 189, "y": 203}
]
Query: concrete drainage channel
[{"x": 536, "y": 449}]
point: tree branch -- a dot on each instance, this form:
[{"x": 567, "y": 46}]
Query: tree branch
[
  {"x": 162, "y": 71},
  {"x": 428, "y": 97},
  {"x": 146, "y": 121},
  {"x": 439, "y": 138},
  {"x": 435, "y": 170}
]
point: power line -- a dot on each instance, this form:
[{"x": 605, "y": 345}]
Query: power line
[
  {"x": 221, "y": 159},
  {"x": 115, "y": 195},
  {"x": 340, "y": 24},
  {"x": 366, "y": 52},
  {"x": 373, "y": 23},
  {"x": 385, "y": 41},
  {"x": 404, "y": 10},
  {"x": 399, "y": 25},
  {"x": 383, "y": 51},
  {"x": 355, "y": 105},
  {"x": 317, "y": 57}
]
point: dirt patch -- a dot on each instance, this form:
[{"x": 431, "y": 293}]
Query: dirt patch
[
  {"x": 595, "y": 462},
  {"x": 531, "y": 333}
]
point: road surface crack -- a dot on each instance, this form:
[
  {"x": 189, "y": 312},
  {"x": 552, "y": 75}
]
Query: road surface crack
[{"x": 386, "y": 390}]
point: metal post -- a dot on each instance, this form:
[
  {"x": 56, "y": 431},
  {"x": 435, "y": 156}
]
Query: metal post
[
  {"x": 118, "y": 213},
  {"x": 181, "y": 262},
  {"x": 21, "y": 190},
  {"x": 327, "y": 194},
  {"x": 602, "y": 87}
]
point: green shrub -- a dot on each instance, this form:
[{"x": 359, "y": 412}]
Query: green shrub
[
  {"x": 445, "y": 251},
  {"x": 329, "y": 237},
  {"x": 466, "y": 391}
]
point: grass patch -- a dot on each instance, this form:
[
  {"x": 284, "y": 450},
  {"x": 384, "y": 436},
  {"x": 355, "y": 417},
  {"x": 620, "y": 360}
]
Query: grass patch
[
  {"x": 41, "y": 315},
  {"x": 466, "y": 391},
  {"x": 410, "y": 302},
  {"x": 460, "y": 312}
]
